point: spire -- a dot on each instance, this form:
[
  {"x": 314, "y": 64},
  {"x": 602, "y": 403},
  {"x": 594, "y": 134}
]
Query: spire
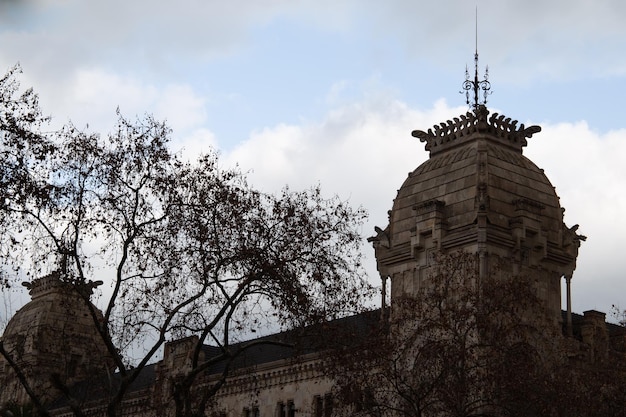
[{"x": 476, "y": 86}]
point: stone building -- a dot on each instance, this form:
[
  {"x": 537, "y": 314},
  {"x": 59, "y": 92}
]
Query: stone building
[
  {"x": 51, "y": 337},
  {"x": 476, "y": 193}
]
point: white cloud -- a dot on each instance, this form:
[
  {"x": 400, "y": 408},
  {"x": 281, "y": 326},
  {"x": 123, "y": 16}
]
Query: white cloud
[
  {"x": 364, "y": 150},
  {"x": 562, "y": 38},
  {"x": 197, "y": 142},
  {"x": 348, "y": 152},
  {"x": 182, "y": 108},
  {"x": 588, "y": 172},
  {"x": 91, "y": 97},
  {"x": 86, "y": 58},
  {"x": 361, "y": 151}
]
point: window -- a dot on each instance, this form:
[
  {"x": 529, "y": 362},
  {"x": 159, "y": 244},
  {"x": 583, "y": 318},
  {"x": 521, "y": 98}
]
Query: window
[
  {"x": 328, "y": 405},
  {"x": 323, "y": 406},
  {"x": 319, "y": 406},
  {"x": 281, "y": 410},
  {"x": 286, "y": 410},
  {"x": 251, "y": 412},
  {"x": 365, "y": 400}
]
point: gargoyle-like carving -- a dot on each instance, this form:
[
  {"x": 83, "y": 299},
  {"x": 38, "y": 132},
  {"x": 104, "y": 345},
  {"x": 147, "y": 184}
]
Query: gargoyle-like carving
[
  {"x": 381, "y": 238},
  {"x": 507, "y": 128},
  {"x": 570, "y": 237}
]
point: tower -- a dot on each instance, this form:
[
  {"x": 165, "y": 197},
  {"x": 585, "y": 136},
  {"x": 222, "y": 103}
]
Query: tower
[{"x": 478, "y": 193}]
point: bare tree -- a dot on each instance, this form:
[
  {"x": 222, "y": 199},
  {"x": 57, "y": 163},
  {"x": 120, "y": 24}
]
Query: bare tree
[
  {"x": 190, "y": 248},
  {"x": 458, "y": 347}
]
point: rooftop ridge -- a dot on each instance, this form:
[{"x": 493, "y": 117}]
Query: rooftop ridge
[{"x": 453, "y": 132}]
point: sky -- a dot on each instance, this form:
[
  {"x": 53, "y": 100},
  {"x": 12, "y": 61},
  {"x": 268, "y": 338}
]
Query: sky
[{"x": 303, "y": 92}]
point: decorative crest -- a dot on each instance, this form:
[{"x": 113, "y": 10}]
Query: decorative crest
[
  {"x": 500, "y": 129},
  {"x": 476, "y": 86}
]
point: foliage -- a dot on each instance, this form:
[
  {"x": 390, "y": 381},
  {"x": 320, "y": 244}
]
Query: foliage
[
  {"x": 185, "y": 248},
  {"x": 464, "y": 346}
]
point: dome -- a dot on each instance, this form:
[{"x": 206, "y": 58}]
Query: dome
[
  {"x": 478, "y": 193},
  {"x": 53, "y": 334},
  {"x": 476, "y": 175}
]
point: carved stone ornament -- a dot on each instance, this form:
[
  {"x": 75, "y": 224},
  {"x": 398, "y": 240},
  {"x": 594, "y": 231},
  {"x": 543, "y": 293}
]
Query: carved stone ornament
[{"x": 453, "y": 132}]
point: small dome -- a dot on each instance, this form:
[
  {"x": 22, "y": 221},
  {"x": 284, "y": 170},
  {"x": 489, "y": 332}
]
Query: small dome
[
  {"x": 477, "y": 176},
  {"x": 476, "y": 168},
  {"x": 477, "y": 193},
  {"x": 53, "y": 334}
]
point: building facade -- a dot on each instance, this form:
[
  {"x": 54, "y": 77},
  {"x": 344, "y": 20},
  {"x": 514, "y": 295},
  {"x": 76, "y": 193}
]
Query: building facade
[{"x": 476, "y": 193}]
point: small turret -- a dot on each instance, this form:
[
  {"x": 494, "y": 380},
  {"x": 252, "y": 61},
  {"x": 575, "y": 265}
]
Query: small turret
[
  {"x": 53, "y": 338},
  {"x": 478, "y": 193}
]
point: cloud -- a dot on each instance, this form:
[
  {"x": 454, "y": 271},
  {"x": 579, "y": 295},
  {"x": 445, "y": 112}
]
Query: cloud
[
  {"x": 92, "y": 95},
  {"x": 123, "y": 53},
  {"x": 355, "y": 148},
  {"x": 529, "y": 40},
  {"x": 363, "y": 151},
  {"x": 588, "y": 172},
  {"x": 181, "y": 107},
  {"x": 87, "y": 58},
  {"x": 197, "y": 142},
  {"x": 157, "y": 34}
]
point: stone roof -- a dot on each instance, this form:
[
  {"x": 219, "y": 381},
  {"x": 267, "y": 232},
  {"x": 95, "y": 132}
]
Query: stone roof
[
  {"x": 54, "y": 333},
  {"x": 473, "y": 169},
  {"x": 477, "y": 170},
  {"x": 301, "y": 341}
]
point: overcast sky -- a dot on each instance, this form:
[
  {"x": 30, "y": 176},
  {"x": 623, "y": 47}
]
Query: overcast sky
[{"x": 302, "y": 92}]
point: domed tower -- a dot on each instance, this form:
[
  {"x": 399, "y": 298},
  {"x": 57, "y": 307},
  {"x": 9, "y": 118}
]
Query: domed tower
[
  {"x": 478, "y": 193},
  {"x": 52, "y": 336}
]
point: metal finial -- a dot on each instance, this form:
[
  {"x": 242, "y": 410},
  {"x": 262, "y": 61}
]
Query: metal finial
[{"x": 476, "y": 86}]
